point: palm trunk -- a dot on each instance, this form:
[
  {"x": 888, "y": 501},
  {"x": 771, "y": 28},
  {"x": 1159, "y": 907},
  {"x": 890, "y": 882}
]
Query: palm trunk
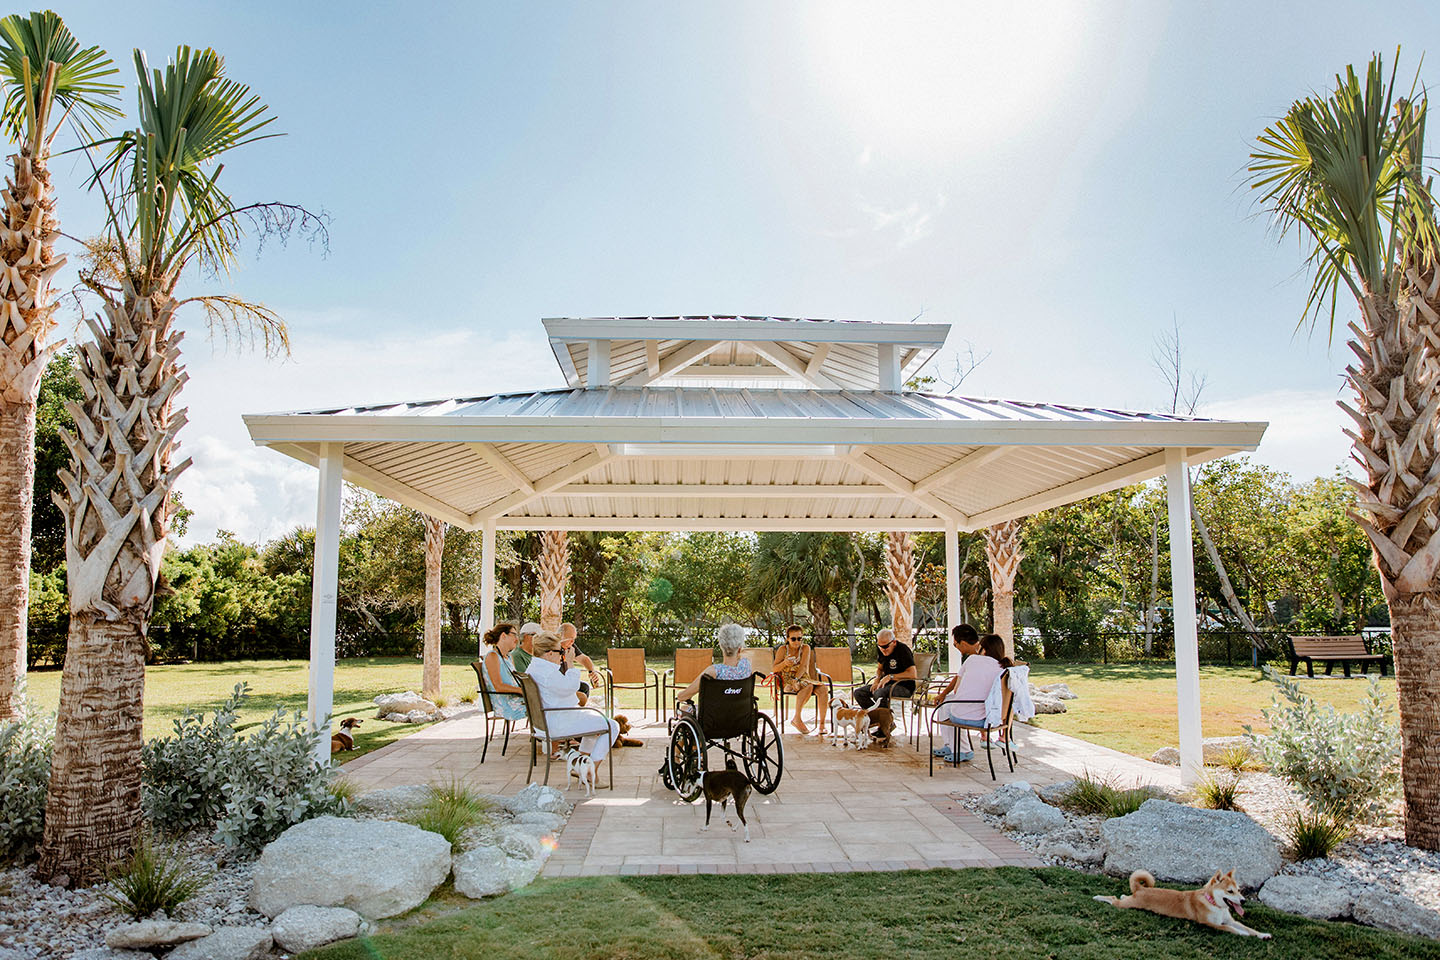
[
  {"x": 820, "y": 617},
  {"x": 430, "y": 656},
  {"x": 1003, "y": 553},
  {"x": 117, "y": 508},
  {"x": 27, "y": 263},
  {"x": 1415, "y": 622},
  {"x": 900, "y": 583},
  {"x": 554, "y": 572}
]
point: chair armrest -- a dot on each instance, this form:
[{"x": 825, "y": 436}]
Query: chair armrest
[{"x": 604, "y": 720}]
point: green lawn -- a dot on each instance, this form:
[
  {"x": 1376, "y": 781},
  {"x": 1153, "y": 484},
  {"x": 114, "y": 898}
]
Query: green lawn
[
  {"x": 948, "y": 914},
  {"x": 1129, "y": 707}
]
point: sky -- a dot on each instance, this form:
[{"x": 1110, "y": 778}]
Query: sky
[{"x": 1063, "y": 183}]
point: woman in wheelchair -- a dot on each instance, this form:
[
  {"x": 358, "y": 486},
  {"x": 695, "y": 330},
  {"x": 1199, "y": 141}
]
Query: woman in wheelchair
[
  {"x": 558, "y": 688},
  {"x": 731, "y": 640}
]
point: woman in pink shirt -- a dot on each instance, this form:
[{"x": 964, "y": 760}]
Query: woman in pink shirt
[{"x": 963, "y": 699}]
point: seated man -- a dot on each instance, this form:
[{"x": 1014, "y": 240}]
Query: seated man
[
  {"x": 524, "y": 651},
  {"x": 894, "y": 673},
  {"x": 568, "y": 634}
]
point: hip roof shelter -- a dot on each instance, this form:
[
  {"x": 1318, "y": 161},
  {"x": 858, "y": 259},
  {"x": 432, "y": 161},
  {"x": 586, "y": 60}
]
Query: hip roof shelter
[{"x": 742, "y": 423}]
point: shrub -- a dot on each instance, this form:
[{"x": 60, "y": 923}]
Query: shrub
[
  {"x": 273, "y": 782},
  {"x": 468, "y": 696},
  {"x": 248, "y": 786},
  {"x": 1219, "y": 792},
  {"x": 184, "y": 774},
  {"x": 1123, "y": 802},
  {"x": 154, "y": 878},
  {"x": 1344, "y": 764},
  {"x": 1096, "y": 795},
  {"x": 440, "y": 700},
  {"x": 1236, "y": 759},
  {"x": 25, "y": 746},
  {"x": 1315, "y": 835},
  {"x": 450, "y": 809}
]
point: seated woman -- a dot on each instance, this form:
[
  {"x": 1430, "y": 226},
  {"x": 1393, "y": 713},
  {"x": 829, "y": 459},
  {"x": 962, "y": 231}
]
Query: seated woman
[
  {"x": 731, "y": 640},
  {"x": 963, "y": 699},
  {"x": 558, "y": 683},
  {"x": 499, "y": 674},
  {"x": 793, "y": 664}
]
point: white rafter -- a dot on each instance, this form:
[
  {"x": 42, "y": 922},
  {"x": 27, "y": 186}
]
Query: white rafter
[
  {"x": 965, "y": 465},
  {"x": 791, "y": 364},
  {"x": 905, "y": 488},
  {"x": 692, "y": 352},
  {"x": 652, "y": 358},
  {"x": 492, "y": 455},
  {"x": 817, "y": 359},
  {"x": 546, "y": 484}
]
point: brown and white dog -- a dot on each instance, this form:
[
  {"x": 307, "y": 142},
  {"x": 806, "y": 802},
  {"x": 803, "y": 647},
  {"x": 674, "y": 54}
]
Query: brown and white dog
[
  {"x": 880, "y": 726},
  {"x": 344, "y": 738},
  {"x": 849, "y": 724},
  {"x": 722, "y": 786},
  {"x": 1210, "y": 905}
]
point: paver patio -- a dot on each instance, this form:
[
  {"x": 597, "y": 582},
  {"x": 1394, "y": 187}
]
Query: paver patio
[{"x": 835, "y": 809}]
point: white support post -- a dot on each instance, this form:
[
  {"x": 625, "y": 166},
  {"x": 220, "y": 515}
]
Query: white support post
[
  {"x": 323, "y": 591},
  {"x": 952, "y": 592},
  {"x": 888, "y": 358},
  {"x": 597, "y": 364},
  {"x": 1182, "y": 592},
  {"x": 487, "y": 575}
]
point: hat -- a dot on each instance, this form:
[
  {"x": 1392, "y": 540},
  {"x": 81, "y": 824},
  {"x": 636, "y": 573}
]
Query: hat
[{"x": 530, "y": 627}]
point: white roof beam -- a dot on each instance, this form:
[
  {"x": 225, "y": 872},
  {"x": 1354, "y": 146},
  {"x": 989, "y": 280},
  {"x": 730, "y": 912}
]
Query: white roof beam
[
  {"x": 597, "y": 363},
  {"x": 817, "y": 359},
  {"x": 690, "y": 353},
  {"x": 507, "y": 469},
  {"x": 904, "y": 487},
  {"x": 828, "y": 524},
  {"x": 551, "y": 481},
  {"x": 887, "y": 366},
  {"x": 791, "y": 364},
  {"x": 364, "y": 475},
  {"x": 652, "y": 358},
  {"x": 765, "y": 491},
  {"x": 702, "y": 371},
  {"x": 966, "y": 465}
]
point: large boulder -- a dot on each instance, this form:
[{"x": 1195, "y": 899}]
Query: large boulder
[
  {"x": 485, "y": 871},
  {"x": 535, "y": 797},
  {"x": 378, "y": 868},
  {"x": 999, "y": 801},
  {"x": 1185, "y": 845},
  {"x": 305, "y": 928},
  {"x": 393, "y": 802},
  {"x": 94, "y": 953},
  {"x": 1030, "y": 815},
  {"x": 1071, "y": 845},
  {"x": 1057, "y": 792},
  {"x": 1307, "y": 896},
  {"x": 1045, "y": 703},
  {"x": 404, "y": 704},
  {"x": 1060, "y": 691},
  {"x": 541, "y": 822},
  {"x": 226, "y": 943},
  {"x": 1390, "y": 911},
  {"x": 152, "y": 934}
]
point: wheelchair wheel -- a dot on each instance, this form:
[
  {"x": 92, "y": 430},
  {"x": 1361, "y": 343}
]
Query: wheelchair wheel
[
  {"x": 685, "y": 760},
  {"x": 763, "y": 755}
]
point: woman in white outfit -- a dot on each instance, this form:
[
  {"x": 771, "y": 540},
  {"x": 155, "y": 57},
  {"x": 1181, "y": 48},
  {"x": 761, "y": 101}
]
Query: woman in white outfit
[
  {"x": 558, "y": 688},
  {"x": 966, "y": 701}
]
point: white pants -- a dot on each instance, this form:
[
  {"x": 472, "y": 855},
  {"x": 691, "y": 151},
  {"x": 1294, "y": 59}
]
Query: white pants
[{"x": 568, "y": 723}]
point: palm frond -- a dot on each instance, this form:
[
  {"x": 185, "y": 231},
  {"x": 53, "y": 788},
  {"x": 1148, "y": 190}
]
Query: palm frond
[{"x": 27, "y": 44}]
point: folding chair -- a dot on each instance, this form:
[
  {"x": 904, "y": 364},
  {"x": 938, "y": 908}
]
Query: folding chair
[
  {"x": 1004, "y": 727},
  {"x": 487, "y": 706},
  {"x": 535, "y": 712},
  {"x": 625, "y": 670}
]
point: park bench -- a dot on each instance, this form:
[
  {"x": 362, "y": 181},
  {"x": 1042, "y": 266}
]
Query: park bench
[{"x": 1333, "y": 650}]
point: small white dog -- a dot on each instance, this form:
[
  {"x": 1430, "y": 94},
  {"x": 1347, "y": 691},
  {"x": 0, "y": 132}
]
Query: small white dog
[
  {"x": 579, "y": 765},
  {"x": 849, "y": 724}
]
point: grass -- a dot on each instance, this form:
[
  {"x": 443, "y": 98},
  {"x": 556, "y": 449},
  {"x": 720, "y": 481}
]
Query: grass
[
  {"x": 920, "y": 915},
  {"x": 450, "y": 809},
  {"x": 154, "y": 878},
  {"x": 1131, "y": 707},
  {"x": 1219, "y": 791}
]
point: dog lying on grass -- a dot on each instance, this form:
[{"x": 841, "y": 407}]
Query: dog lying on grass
[
  {"x": 1210, "y": 905},
  {"x": 344, "y": 738}
]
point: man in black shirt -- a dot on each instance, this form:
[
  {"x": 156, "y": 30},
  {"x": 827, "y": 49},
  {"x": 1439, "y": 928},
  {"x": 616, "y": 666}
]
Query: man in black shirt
[{"x": 894, "y": 673}]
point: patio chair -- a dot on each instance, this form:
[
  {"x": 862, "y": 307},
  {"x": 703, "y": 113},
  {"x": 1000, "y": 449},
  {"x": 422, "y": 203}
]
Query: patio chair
[
  {"x": 487, "y": 707},
  {"x": 625, "y": 670},
  {"x": 817, "y": 678},
  {"x": 535, "y": 712},
  {"x": 762, "y": 662},
  {"x": 689, "y": 663},
  {"x": 924, "y": 679},
  {"x": 834, "y": 664},
  {"x": 1005, "y": 728}
]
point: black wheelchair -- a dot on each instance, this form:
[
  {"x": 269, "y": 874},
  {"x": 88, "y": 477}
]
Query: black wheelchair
[{"x": 728, "y": 710}]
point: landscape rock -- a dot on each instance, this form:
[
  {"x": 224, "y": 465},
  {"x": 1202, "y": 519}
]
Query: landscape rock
[
  {"x": 1390, "y": 911},
  {"x": 1307, "y": 896},
  {"x": 408, "y": 702},
  {"x": 1166, "y": 755},
  {"x": 1001, "y": 799},
  {"x": 226, "y": 943},
  {"x": 1057, "y": 792},
  {"x": 1215, "y": 749},
  {"x": 1182, "y": 844},
  {"x": 1060, "y": 691},
  {"x": 394, "y": 801},
  {"x": 147, "y": 934},
  {"x": 305, "y": 927},
  {"x": 1030, "y": 815},
  {"x": 541, "y": 821},
  {"x": 378, "y": 868},
  {"x": 1047, "y": 704},
  {"x": 1086, "y": 853},
  {"x": 485, "y": 871},
  {"x": 535, "y": 797},
  {"x": 94, "y": 953}
]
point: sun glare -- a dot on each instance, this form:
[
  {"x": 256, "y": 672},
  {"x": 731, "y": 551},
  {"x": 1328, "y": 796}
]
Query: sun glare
[{"x": 942, "y": 77}]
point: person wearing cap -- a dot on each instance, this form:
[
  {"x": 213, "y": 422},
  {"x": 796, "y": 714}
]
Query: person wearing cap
[
  {"x": 558, "y": 688},
  {"x": 568, "y": 635},
  {"x": 525, "y": 649}
]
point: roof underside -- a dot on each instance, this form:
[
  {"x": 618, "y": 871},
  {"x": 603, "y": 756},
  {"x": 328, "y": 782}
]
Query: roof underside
[{"x": 739, "y": 459}]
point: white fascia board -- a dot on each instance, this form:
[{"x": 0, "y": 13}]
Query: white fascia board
[
  {"x": 315, "y": 428},
  {"x": 796, "y": 331},
  {"x": 723, "y": 524}
]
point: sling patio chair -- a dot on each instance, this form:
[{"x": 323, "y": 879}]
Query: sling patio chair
[
  {"x": 818, "y": 682},
  {"x": 487, "y": 707},
  {"x": 690, "y": 662},
  {"x": 535, "y": 712},
  {"x": 625, "y": 670},
  {"x": 835, "y": 665},
  {"x": 1005, "y": 728}
]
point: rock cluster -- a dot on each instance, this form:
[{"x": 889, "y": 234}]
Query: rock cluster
[
  {"x": 1216, "y": 750},
  {"x": 407, "y": 707}
]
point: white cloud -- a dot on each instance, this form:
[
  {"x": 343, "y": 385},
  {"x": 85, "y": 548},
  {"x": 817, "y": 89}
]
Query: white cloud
[
  {"x": 1303, "y": 438},
  {"x": 907, "y": 224}
]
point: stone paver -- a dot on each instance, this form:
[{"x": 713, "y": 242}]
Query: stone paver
[{"x": 836, "y": 810}]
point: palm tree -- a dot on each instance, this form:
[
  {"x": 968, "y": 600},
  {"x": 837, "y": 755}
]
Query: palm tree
[
  {"x": 42, "y": 67},
  {"x": 166, "y": 211},
  {"x": 430, "y": 646},
  {"x": 791, "y": 568},
  {"x": 900, "y": 583},
  {"x": 1343, "y": 172}
]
